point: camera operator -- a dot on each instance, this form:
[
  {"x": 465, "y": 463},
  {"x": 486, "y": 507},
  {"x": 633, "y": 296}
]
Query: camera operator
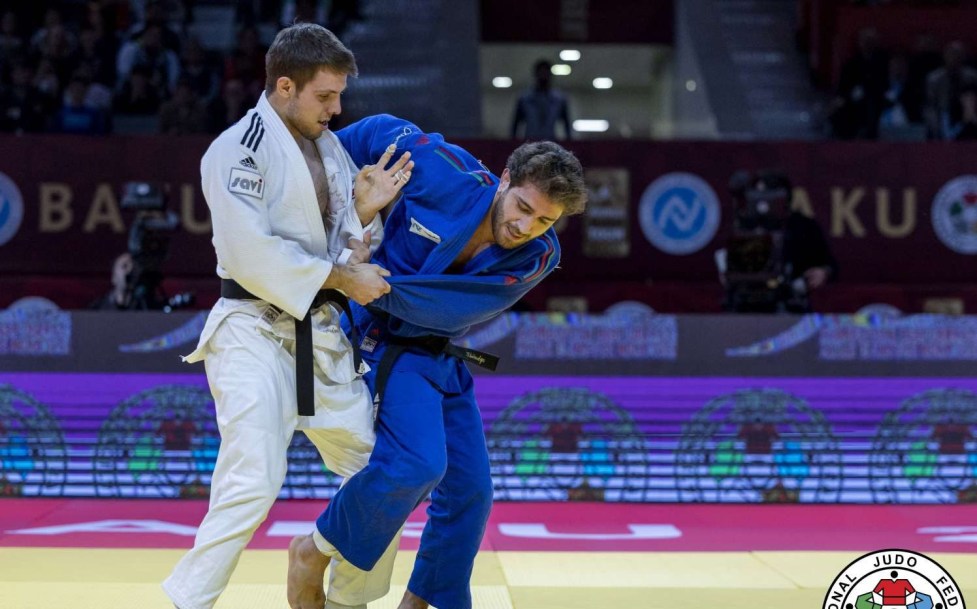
[
  {"x": 149, "y": 243},
  {"x": 775, "y": 256},
  {"x": 137, "y": 277},
  {"x": 117, "y": 299}
]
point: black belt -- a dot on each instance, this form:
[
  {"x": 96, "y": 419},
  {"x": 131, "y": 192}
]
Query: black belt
[
  {"x": 304, "y": 375},
  {"x": 434, "y": 345}
]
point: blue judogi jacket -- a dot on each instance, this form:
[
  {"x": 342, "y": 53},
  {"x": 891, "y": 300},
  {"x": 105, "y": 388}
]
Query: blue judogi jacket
[{"x": 447, "y": 197}]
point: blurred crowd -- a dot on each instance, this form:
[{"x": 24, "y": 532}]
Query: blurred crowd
[
  {"x": 102, "y": 66},
  {"x": 925, "y": 92}
]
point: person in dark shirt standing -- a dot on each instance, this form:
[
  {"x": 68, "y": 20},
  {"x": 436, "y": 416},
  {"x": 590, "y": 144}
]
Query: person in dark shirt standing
[{"x": 540, "y": 109}]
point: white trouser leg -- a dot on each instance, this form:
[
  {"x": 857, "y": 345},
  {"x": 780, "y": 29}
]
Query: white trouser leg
[
  {"x": 344, "y": 451},
  {"x": 351, "y": 586},
  {"x": 248, "y": 374}
]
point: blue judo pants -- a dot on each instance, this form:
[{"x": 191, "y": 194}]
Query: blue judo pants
[{"x": 428, "y": 442}]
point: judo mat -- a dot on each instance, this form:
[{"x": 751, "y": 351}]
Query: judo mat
[{"x": 87, "y": 554}]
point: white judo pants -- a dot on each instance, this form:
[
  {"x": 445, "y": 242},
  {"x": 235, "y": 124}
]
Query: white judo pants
[{"x": 251, "y": 372}]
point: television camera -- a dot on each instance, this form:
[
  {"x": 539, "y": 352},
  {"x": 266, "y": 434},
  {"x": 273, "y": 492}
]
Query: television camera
[
  {"x": 757, "y": 273},
  {"x": 148, "y": 244}
]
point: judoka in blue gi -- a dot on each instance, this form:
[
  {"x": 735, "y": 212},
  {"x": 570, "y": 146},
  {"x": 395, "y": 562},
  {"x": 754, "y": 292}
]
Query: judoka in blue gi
[{"x": 462, "y": 245}]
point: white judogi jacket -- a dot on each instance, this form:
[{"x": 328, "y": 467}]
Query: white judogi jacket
[{"x": 268, "y": 231}]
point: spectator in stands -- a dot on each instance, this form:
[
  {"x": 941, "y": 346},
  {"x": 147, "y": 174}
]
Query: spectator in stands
[
  {"x": 943, "y": 90},
  {"x": 103, "y": 17},
  {"x": 926, "y": 56},
  {"x": 184, "y": 113},
  {"x": 23, "y": 109},
  {"x": 247, "y": 62},
  {"x": 97, "y": 95},
  {"x": 12, "y": 42},
  {"x": 968, "y": 106},
  {"x": 161, "y": 63},
  {"x": 56, "y": 52},
  {"x": 137, "y": 96},
  {"x": 96, "y": 52},
  {"x": 53, "y": 40},
  {"x": 162, "y": 13},
  {"x": 539, "y": 110},
  {"x": 78, "y": 114},
  {"x": 99, "y": 44},
  {"x": 198, "y": 69},
  {"x": 47, "y": 82},
  {"x": 228, "y": 109},
  {"x": 902, "y": 104},
  {"x": 855, "y": 111}
]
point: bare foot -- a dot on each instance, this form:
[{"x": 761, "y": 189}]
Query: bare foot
[
  {"x": 306, "y": 571},
  {"x": 412, "y": 601}
]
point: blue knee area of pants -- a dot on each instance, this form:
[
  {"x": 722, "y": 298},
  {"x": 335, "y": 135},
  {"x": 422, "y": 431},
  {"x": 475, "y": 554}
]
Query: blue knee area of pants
[
  {"x": 420, "y": 471},
  {"x": 408, "y": 461},
  {"x": 365, "y": 515},
  {"x": 481, "y": 502}
]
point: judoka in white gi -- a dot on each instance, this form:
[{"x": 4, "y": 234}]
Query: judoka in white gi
[{"x": 279, "y": 187}]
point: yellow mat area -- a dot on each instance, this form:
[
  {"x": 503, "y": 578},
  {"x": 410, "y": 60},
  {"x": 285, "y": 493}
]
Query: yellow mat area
[{"x": 41, "y": 578}]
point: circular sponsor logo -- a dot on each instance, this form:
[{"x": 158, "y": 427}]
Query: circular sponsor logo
[
  {"x": 954, "y": 214},
  {"x": 889, "y": 578},
  {"x": 679, "y": 213},
  {"x": 11, "y": 209}
]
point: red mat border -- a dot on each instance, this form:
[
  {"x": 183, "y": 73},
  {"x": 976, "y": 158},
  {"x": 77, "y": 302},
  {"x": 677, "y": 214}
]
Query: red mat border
[{"x": 583, "y": 527}]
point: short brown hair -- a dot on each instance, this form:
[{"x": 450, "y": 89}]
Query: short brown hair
[
  {"x": 554, "y": 170},
  {"x": 300, "y": 51}
]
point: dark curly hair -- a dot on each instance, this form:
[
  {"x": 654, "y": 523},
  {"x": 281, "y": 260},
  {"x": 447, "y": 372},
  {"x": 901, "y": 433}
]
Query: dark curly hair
[{"x": 554, "y": 170}]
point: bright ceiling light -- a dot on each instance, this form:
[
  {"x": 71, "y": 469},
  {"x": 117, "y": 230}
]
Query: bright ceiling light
[
  {"x": 569, "y": 55},
  {"x": 501, "y": 82},
  {"x": 590, "y": 125},
  {"x": 603, "y": 83},
  {"x": 690, "y": 86},
  {"x": 560, "y": 69}
]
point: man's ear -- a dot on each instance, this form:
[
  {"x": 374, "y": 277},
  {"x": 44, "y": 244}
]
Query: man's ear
[
  {"x": 285, "y": 87},
  {"x": 505, "y": 179}
]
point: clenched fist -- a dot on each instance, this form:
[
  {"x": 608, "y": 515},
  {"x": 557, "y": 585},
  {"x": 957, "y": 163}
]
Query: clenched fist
[{"x": 362, "y": 282}]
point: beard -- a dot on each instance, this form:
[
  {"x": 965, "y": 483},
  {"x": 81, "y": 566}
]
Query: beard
[
  {"x": 309, "y": 133},
  {"x": 500, "y": 232}
]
